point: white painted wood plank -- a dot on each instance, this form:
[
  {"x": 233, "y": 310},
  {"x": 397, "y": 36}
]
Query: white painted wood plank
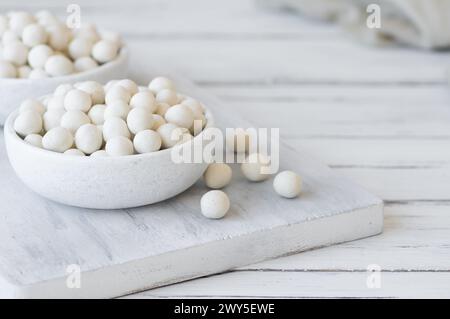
[{"x": 309, "y": 285}]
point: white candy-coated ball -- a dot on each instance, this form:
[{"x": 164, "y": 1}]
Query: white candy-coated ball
[
  {"x": 32, "y": 105},
  {"x": 111, "y": 36},
  {"x": 77, "y": 100},
  {"x": 88, "y": 138},
  {"x": 72, "y": 120},
  {"x": 287, "y": 184},
  {"x": 52, "y": 118},
  {"x": 80, "y": 47},
  {"x": 58, "y": 65},
  {"x": 100, "y": 153},
  {"x": 59, "y": 37},
  {"x": 158, "y": 120},
  {"x": 58, "y": 139},
  {"x": 94, "y": 89},
  {"x": 55, "y": 102},
  {"x": 116, "y": 93},
  {"x": 139, "y": 119},
  {"x": 130, "y": 85},
  {"x": 63, "y": 89},
  {"x": 97, "y": 114},
  {"x": 166, "y": 131},
  {"x": 217, "y": 175},
  {"x": 167, "y": 96},
  {"x": 19, "y": 20},
  {"x": 253, "y": 166},
  {"x": 115, "y": 126},
  {"x": 144, "y": 100},
  {"x": 194, "y": 106},
  {"x": 147, "y": 141},
  {"x": 105, "y": 51},
  {"x": 7, "y": 70},
  {"x": 16, "y": 53},
  {"x": 119, "y": 146},
  {"x": 117, "y": 109},
  {"x": 74, "y": 152},
  {"x": 88, "y": 31},
  {"x": 23, "y": 71},
  {"x": 85, "y": 63},
  {"x": 180, "y": 115},
  {"x": 34, "y": 139},
  {"x": 28, "y": 122},
  {"x": 161, "y": 83},
  {"x": 38, "y": 55},
  {"x": 34, "y": 34},
  {"x": 37, "y": 74},
  {"x": 9, "y": 37},
  {"x": 215, "y": 204},
  {"x": 45, "y": 17},
  {"x": 162, "y": 108},
  {"x": 110, "y": 84}
]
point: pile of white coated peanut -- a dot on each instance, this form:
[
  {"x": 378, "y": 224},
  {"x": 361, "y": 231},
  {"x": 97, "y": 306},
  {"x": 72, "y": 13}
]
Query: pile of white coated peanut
[
  {"x": 41, "y": 46},
  {"x": 121, "y": 118}
]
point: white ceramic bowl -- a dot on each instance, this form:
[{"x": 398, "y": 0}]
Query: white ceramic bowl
[
  {"x": 15, "y": 91},
  {"x": 101, "y": 182}
]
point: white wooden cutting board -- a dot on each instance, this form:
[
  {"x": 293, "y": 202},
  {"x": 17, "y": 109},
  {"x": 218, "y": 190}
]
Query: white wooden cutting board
[{"x": 125, "y": 251}]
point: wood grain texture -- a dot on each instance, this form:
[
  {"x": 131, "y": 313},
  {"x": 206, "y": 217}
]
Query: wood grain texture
[{"x": 311, "y": 77}]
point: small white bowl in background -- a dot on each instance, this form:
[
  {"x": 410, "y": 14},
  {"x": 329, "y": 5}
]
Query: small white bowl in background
[
  {"x": 14, "y": 91},
  {"x": 101, "y": 182}
]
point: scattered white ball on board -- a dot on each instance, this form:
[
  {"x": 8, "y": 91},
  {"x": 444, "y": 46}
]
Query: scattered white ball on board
[
  {"x": 215, "y": 204},
  {"x": 287, "y": 184},
  {"x": 256, "y": 167},
  {"x": 217, "y": 175},
  {"x": 58, "y": 139}
]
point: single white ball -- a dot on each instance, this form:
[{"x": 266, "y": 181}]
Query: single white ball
[
  {"x": 162, "y": 108},
  {"x": 215, "y": 204},
  {"x": 158, "y": 120},
  {"x": 144, "y": 100},
  {"x": 117, "y": 92},
  {"x": 88, "y": 138},
  {"x": 37, "y": 74},
  {"x": 166, "y": 131},
  {"x": 94, "y": 89},
  {"x": 9, "y": 37},
  {"x": 7, "y": 70},
  {"x": 63, "y": 89},
  {"x": 52, "y": 118},
  {"x": 28, "y": 122},
  {"x": 55, "y": 102},
  {"x": 147, "y": 141},
  {"x": 34, "y": 34},
  {"x": 85, "y": 63},
  {"x": 16, "y": 53},
  {"x": 58, "y": 139},
  {"x": 130, "y": 85},
  {"x": 110, "y": 84},
  {"x": 34, "y": 139},
  {"x": 24, "y": 71},
  {"x": 59, "y": 37},
  {"x": 77, "y": 100},
  {"x": 139, "y": 119},
  {"x": 119, "y": 146},
  {"x": 19, "y": 20},
  {"x": 253, "y": 167},
  {"x": 161, "y": 83},
  {"x": 287, "y": 184},
  {"x": 32, "y": 105},
  {"x": 117, "y": 109},
  {"x": 38, "y": 55},
  {"x": 111, "y": 36},
  {"x": 195, "y": 106},
  {"x": 72, "y": 120},
  {"x": 58, "y": 65},
  {"x": 74, "y": 152},
  {"x": 113, "y": 127},
  {"x": 100, "y": 153},
  {"x": 180, "y": 115},
  {"x": 80, "y": 47},
  {"x": 167, "y": 96},
  {"x": 97, "y": 114},
  {"x": 88, "y": 31},
  {"x": 45, "y": 17},
  {"x": 217, "y": 175},
  {"x": 105, "y": 51}
]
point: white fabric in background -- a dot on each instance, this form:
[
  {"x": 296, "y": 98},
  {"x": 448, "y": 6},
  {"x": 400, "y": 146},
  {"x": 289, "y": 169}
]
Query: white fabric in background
[{"x": 422, "y": 23}]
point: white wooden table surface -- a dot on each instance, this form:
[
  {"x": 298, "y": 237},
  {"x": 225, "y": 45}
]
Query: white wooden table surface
[{"x": 378, "y": 116}]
